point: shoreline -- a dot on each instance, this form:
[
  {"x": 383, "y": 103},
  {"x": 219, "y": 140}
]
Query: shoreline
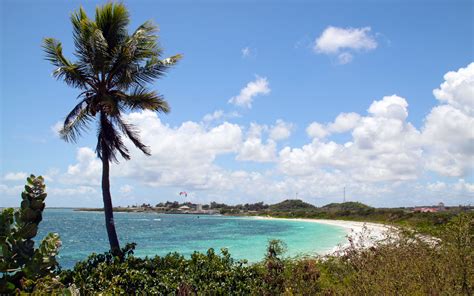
[{"x": 364, "y": 234}]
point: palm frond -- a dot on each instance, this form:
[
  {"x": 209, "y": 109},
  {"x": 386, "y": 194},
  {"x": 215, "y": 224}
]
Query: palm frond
[
  {"x": 112, "y": 19},
  {"x": 76, "y": 121},
  {"x": 143, "y": 99},
  {"x": 109, "y": 141},
  {"x": 138, "y": 75},
  {"x": 83, "y": 29},
  {"x": 69, "y": 72},
  {"x": 132, "y": 133}
]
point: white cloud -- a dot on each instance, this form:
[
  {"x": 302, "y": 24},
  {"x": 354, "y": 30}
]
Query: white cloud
[
  {"x": 213, "y": 116},
  {"x": 281, "y": 130},
  {"x": 181, "y": 156},
  {"x": 464, "y": 186},
  {"x": 448, "y": 132},
  {"x": 76, "y": 191},
  {"x": 343, "y": 42},
  {"x": 383, "y": 146},
  {"x": 253, "y": 148},
  {"x": 449, "y": 139},
  {"x": 87, "y": 170},
  {"x": 317, "y": 130},
  {"x": 344, "y": 122},
  {"x": 248, "y": 52},
  {"x": 18, "y": 176},
  {"x": 390, "y": 107},
  {"x": 458, "y": 89},
  {"x": 56, "y": 128},
  {"x": 245, "y": 52},
  {"x": 126, "y": 189},
  {"x": 334, "y": 39},
  {"x": 259, "y": 86},
  {"x": 12, "y": 191},
  {"x": 437, "y": 186},
  {"x": 386, "y": 160},
  {"x": 219, "y": 115}
]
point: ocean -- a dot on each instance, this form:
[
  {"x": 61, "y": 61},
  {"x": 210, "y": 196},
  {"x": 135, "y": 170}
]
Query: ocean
[{"x": 83, "y": 233}]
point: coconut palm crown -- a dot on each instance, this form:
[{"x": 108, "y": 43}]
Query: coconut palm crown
[{"x": 112, "y": 69}]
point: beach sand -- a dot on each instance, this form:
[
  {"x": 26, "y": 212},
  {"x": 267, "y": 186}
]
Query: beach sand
[{"x": 364, "y": 234}]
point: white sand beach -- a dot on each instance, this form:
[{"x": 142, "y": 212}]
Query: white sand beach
[{"x": 364, "y": 234}]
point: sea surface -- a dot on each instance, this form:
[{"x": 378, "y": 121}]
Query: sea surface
[{"x": 83, "y": 233}]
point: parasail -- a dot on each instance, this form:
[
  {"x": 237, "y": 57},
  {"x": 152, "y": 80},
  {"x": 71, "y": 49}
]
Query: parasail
[{"x": 183, "y": 193}]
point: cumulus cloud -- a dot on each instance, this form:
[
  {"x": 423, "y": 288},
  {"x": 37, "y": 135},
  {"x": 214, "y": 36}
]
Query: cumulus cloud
[
  {"x": 253, "y": 148},
  {"x": 87, "y": 170},
  {"x": 126, "y": 189},
  {"x": 281, "y": 130},
  {"x": 317, "y": 130},
  {"x": 383, "y": 160},
  {"x": 344, "y": 122},
  {"x": 180, "y": 155},
  {"x": 18, "y": 176},
  {"x": 457, "y": 89},
  {"x": 343, "y": 42},
  {"x": 390, "y": 107},
  {"x": 383, "y": 146},
  {"x": 259, "y": 86},
  {"x": 448, "y": 132}
]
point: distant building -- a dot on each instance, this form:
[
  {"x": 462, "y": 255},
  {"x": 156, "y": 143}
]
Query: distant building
[
  {"x": 184, "y": 208},
  {"x": 426, "y": 210},
  {"x": 439, "y": 208},
  {"x": 199, "y": 207}
]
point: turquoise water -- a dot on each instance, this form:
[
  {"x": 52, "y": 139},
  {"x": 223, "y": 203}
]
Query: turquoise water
[{"x": 157, "y": 234}]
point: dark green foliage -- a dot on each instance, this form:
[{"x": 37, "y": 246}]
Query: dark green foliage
[
  {"x": 204, "y": 274},
  {"x": 292, "y": 205},
  {"x": 273, "y": 276},
  {"x": 20, "y": 261},
  {"x": 346, "y": 206}
]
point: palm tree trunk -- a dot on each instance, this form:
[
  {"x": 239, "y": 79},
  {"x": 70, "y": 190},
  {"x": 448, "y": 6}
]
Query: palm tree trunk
[{"x": 108, "y": 209}]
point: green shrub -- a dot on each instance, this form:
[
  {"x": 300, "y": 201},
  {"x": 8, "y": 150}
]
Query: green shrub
[
  {"x": 407, "y": 263},
  {"x": 201, "y": 274},
  {"x": 20, "y": 263}
]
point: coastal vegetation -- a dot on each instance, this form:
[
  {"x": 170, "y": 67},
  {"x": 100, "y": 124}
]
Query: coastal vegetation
[
  {"x": 404, "y": 263},
  {"x": 111, "y": 71},
  {"x": 426, "y": 222},
  {"x": 21, "y": 264}
]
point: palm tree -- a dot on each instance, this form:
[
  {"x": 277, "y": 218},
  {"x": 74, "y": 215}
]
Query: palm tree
[{"x": 112, "y": 71}]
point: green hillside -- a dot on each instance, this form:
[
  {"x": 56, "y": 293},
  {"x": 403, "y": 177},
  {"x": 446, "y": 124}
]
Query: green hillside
[{"x": 292, "y": 205}]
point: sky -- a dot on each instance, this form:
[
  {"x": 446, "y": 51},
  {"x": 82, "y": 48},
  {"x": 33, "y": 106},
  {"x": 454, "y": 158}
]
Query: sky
[{"x": 272, "y": 100}]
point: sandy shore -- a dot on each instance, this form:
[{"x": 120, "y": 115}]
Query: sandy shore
[{"x": 364, "y": 234}]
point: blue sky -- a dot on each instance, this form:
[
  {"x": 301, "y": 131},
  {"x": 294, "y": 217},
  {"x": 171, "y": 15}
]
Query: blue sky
[{"x": 299, "y": 65}]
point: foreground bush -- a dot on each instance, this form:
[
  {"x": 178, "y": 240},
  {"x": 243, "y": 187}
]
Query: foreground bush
[
  {"x": 407, "y": 263},
  {"x": 21, "y": 264},
  {"x": 172, "y": 274}
]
